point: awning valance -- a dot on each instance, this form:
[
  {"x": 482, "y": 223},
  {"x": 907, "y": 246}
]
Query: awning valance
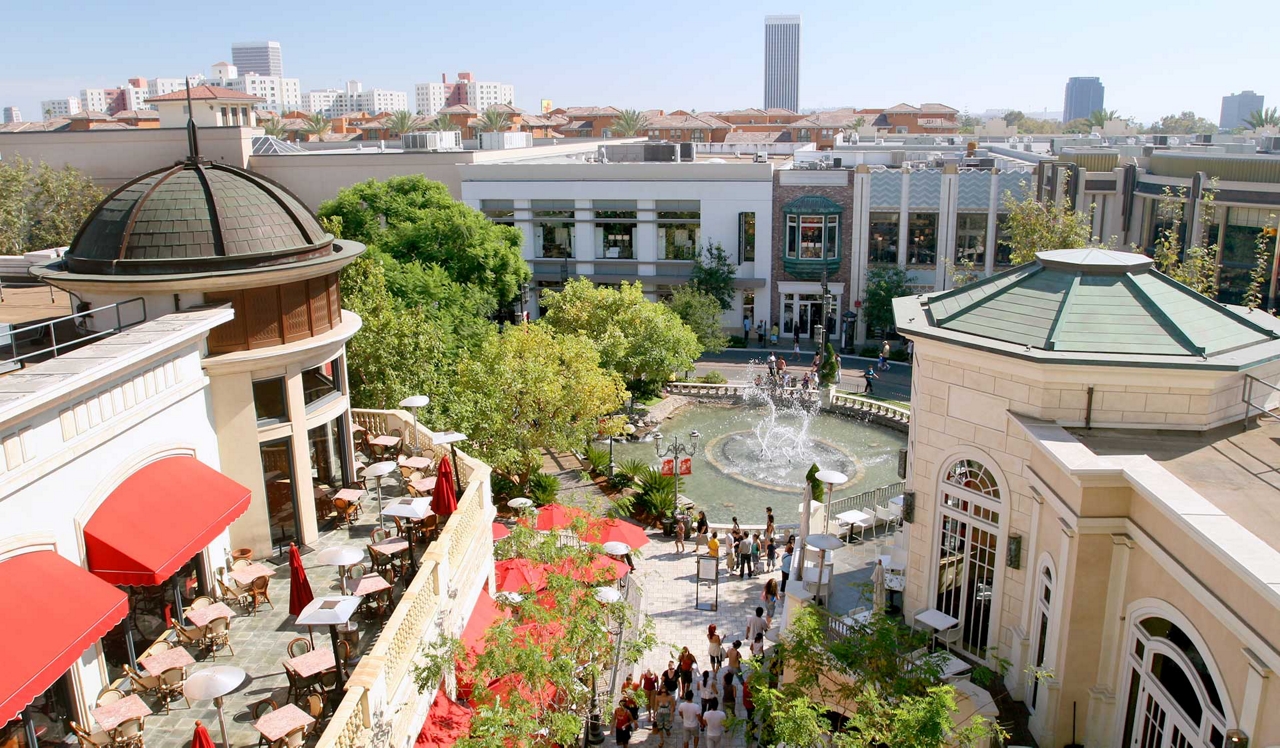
[
  {"x": 159, "y": 518},
  {"x": 52, "y": 612}
]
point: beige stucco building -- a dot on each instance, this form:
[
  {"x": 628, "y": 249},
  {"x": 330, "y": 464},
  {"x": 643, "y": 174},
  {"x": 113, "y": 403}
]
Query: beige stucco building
[{"x": 1085, "y": 498}]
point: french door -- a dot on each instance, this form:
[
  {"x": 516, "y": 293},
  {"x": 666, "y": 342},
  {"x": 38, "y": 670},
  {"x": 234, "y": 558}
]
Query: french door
[
  {"x": 1160, "y": 725},
  {"x": 967, "y": 560}
]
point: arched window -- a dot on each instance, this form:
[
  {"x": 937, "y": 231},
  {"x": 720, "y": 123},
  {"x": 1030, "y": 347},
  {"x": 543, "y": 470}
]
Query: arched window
[
  {"x": 1044, "y": 619},
  {"x": 969, "y": 560},
  {"x": 1173, "y": 701}
]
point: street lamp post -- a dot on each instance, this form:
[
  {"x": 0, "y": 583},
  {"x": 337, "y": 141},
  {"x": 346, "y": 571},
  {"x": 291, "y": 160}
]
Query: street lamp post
[{"x": 676, "y": 449}]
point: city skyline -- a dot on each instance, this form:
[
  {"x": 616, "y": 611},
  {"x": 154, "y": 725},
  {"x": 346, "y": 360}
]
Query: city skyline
[{"x": 963, "y": 72}]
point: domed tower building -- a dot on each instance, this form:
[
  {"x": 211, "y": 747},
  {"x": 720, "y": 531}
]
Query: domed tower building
[{"x": 199, "y": 234}]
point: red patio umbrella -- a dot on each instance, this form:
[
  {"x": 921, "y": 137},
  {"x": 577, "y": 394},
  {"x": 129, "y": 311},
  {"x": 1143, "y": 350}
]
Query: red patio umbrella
[
  {"x": 447, "y": 723},
  {"x": 557, "y": 516},
  {"x": 601, "y": 569},
  {"x": 201, "y": 737},
  {"x": 606, "y": 530},
  {"x": 444, "y": 499},
  {"x": 300, "y": 595},
  {"x": 519, "y": 575},
  {"x": 500, "y": 531}
]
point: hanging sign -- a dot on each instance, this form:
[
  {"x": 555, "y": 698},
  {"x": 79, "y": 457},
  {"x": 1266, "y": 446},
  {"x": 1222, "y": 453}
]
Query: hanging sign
[
  {"x": 668, "y": 466},
  {"x": 686, "y": 466}
]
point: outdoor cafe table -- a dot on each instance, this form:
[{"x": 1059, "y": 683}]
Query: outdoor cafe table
[
  {"x": 386, "y": 440},
  {"x": 278, "y": 723},
  {"x": 369, "y": 584},
  {"x": 202, "y": 616},
  {"x": 245, "y": 575},
  {"x": 424, "y": 485},
  {"x": 312, "y": 663},
  {"x": 166, "y": 660},
  {"x": 391, "y": 546},
  {"x": 890, "y": 564},
  {"x": 936, "y": 619},
  {"x": 111, "y": 716},
  {"x": 349, "y": 494},
  {"x": 417, "y": 463}
]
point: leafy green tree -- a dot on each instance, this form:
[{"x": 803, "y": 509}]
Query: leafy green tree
[
  {"x": 316, "y": 126},
  {"x": 466, "y": 245},
  {"x": 369, "y": 208},
  {"x": 1195, "y": 266},
  {"x": 1100, "y": 117},
  {"x": 525, "y": 389},
  {"x": 629, "y": 123},
  {"x": 884, "y": 284},
  {"x": 639, "y": 339},
  {"x": 1078, "y": 126},
  {"x": 1032, "y": 126},
  {"x": 830, "y": 370},
  {"x": 1013, "y": 117},
  {"x": 40, "y": 206},
  {"x": 1185, "y": 123},
  {"x": 701, "y": 312},
  {"x": 1269, "y": 117},
  {"x": 1035, "y": 226},
  {"x": 401, "y": 122},
  {"x": 493, "y": 120},
  {"x": 713, "y": 273}
]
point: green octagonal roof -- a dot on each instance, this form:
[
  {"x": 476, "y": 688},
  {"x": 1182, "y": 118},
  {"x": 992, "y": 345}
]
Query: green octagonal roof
[{"x": 1093, "y": 301}]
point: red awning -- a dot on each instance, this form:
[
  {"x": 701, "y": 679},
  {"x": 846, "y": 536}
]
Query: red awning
[
  {"x": 52, "y": 612},
  {"x": 485, "y": 613},
  {"x": 159, "y": 518}
]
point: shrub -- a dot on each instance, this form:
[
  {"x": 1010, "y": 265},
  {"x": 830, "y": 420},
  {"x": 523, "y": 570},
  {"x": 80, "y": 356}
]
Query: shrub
[
  {"x": 737, "y": 341},
  {"x": 542, "y": 488},
  {"x": 899, "y": 354},
  {"x": 830, "y": 365},
  {"x": 631, "y": 468},
  {"x": 712, "y": 377},
  {"x": 623, "y": 505},
  {"x": 869, "y": 351},
  {"x": 598, "y": 459},
  {"x": 504, "y": 488},
  {"x": 619, "y": 481}
]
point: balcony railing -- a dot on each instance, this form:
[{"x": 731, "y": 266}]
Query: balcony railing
[{"x": 380, "y": 705}]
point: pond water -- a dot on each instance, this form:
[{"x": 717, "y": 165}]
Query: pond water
[{"x": 751, "y": 457}]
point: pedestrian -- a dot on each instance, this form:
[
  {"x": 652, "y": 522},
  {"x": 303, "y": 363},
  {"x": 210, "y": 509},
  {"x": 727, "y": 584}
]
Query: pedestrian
[
  {"x": 804, "y": 383},
  {"x": 755, "y": 554},
  {"x": 700, "y": 539},
  {"x": 773, "y": 334},
  {"x": 622, "y": 725},
  {"x": 629, "y": 701},
  {"x": 746, "y": 330},
  {"x": 769, "y": 529},
  {"x": 871, "y": 374},
  {"x": 649, "y": 684},
  {"x": 680, "y": 532},
  {"x": 707, "y": 690},
  {"x": 734, "y": 656},
  {"x": 663, "y": 710},
  {"x": 686, "y": 663},
  {"x": 749, "y": 707},
  {"x": 911, "y": 350},
  {"x": 736, "y": 527},
  {"x": 771, "y": 552},
  {"x": 884, "y": 352},
  {"x": 757, "y": 646},
  {"x": 756, "y": 624},
  {"x": 786, "y": 566},
  {"x": 729, "y": 693},
  {"x": 714, "y": 720},
  {"x": 731, "y": 551},
  {"x": 782, "y": 367},
  {"x": 744, "y": 556},
  {"x": 760, "y": 333},
  {"x": 770, "y": 596},
  {"x": 690, "y": 719},
  {"x": 670, "y": 677},
  {"x": 882, "y": 363},
  {"x": 713, "y": 546},
  {"x": 817, "y": 360},
  {"x": 715, "y": 650}
]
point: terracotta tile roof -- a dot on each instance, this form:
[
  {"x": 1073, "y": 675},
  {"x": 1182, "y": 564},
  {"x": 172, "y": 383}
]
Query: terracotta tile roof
[
  {"x": 577, "y": 125},
  {"x": 537, "y": 120},
  {"x": 779, "y": 110},
  {"x": 687, "y": 122},
  {"x": 507, "y": 109},
  {"x": 901, "y": 109},
  {"x": 109, "y": 126},
  {"x": 204, "y": 93},
  {"x": 749, "y": 112},
  {"x": 90, "y": 114},
  {"x": 137, "y": 114},
  {"x": 778, "y": 136},
  {"x": 832, "y": 119},
  {"x": 459, "y": 109},
  {"x": 936, "y": 108},
  {"x": 591, "y": 111},
  {"x": 57, "y": 123}
]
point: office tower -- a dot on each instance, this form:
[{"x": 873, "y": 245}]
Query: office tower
[
  {"x": 1084, "y": 97},
  {"x": 782, "y": 62},
  {"x": 1236, "y": 108},
  {"x": 11, "y": 115},
  {"x": 262, "y": 58}
]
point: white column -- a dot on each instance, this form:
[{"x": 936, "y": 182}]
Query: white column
[
  {"x": 861, "y": 241},
  {"x": 1102, "y": 696},
  {"x": 1255, "y": 693},
  {"x": 584, "y": 239},
  {"x": 903, "y": 216},
  {"x": 646, "y": 240},
  {"x": 946, "y": 226},
  {"x": 524, "y": 222},
  {"x": 993, "y": 209}
]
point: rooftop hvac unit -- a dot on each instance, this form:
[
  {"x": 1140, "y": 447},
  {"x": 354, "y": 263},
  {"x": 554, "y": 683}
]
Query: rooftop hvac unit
[
  {"x": 432, "y": 141},
  {"x": 760, "y": 158},
  {"x": 1204, "y": 138},
  {"x": 1159, "y": 140},
  {"x": 686, "y": 152},
  {"x": 1269, "y": 144}
]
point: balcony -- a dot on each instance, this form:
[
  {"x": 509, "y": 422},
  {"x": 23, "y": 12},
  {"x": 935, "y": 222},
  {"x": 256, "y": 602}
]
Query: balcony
[{"x": 810, "y": 269}]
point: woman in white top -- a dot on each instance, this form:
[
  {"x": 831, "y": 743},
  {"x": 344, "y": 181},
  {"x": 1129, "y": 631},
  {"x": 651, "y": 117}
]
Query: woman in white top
[
  {"x": 715, "y": 648},
  {"x": 708, "y": 689}
]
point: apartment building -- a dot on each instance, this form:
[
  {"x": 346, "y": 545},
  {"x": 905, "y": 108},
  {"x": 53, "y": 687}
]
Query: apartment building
[
  {"x": 430, "y": 98},
  {"x": 10, "y": 115},
  {"x": 333, "y": 102},
  {"x": 54, "y": 108},
  {"x": 263, "y": 58},
  {"x": 683, "y": 127},
  {"x": 277, "y": 94},
  {"x": 632, "y": 220}
]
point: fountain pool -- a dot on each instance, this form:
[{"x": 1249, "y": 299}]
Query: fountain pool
[{"x": 752, "y": 456}]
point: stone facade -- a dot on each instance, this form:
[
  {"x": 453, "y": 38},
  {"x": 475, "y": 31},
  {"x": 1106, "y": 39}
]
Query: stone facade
[{"x": 783, "y": 194}]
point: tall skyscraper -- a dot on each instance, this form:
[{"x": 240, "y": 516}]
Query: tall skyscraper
[
  {"x": 262, "y": 58},
  {"x": 1236, "y": 108},
  {"x": 11, "y": 115},
  {"x": 1084, "y": 97},
  {"x": 782, "y": 62}
]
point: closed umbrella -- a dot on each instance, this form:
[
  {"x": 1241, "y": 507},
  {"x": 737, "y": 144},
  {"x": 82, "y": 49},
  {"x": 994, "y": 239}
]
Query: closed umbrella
[
  {"x": 300, "y": 595},
  {"x": 444, "y": 500},
  {"x": 877, "y": 587},
  {"x": 500, "y": 531},
  {"x": 201, "y": 737}
]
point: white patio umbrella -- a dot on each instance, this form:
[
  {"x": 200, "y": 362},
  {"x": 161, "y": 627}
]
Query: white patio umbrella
[
  {"x": 214, "y": 683},
  {"x": 877, "y": 587}
]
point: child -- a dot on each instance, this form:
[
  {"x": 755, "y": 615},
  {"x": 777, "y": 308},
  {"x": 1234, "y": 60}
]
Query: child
[
  {"x": 680, "y": 533},
  {"x": 795, "y": 346},
  {"x": 871, "y": 374},
  {"x": 757, "y": 646},
  {"x": 773, "y": 334},
  {"x": 771, "y": 552}
]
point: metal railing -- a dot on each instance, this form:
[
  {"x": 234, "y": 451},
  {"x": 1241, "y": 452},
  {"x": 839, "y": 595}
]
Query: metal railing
[
  {"x": 1247, "y": 396},
  {"x": 867, "y": 499},
  {"x": 853, "y": 401},
  {"x": 48, "y": 330}
]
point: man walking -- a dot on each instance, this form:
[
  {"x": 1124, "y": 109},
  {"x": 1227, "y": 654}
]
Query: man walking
[
  {"x": 786, "y": 567},
  {"x": 756, "y": 624},
  {"x": 714, "y": 721},
  {"x": 690, "y": 719},
  {"x": 744, "y": 557},
  {"x": 746, "y": 330}
]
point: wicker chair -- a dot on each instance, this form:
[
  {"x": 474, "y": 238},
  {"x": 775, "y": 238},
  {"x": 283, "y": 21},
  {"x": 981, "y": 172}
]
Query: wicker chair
[
  {"x": 142, "y": 683},
  {"x": 298, "y": 647},
  {"x": 90, "y": 740},
  {"x": 171, "y": 682},
  {"x": 260, "y": 710},
  {"x": 240, "y": 563},
  {"x": 299, "y": 687},
  {"x": 128, "y": 733},
  {"x": 218, "y": 634},
  {"x": 347, "y": 511},
  {"x": 234, "y": 593},
  {"x": 259, "y": 589},
  {"x": 191, "y": 636},
  {"x": 203, "y": 601},
  {"x": 109, "y": 696}
]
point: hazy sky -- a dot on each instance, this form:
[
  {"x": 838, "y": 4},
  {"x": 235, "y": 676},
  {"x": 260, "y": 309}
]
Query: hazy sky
[{"x": 1153, "y": 59}]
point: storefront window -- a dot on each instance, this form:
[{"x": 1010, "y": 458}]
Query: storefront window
[
  {"x": 1004, "y": 250},
  {"x": 1239, "y": 251},
  {"x": 151, "y": 608},
  {"x": 329, "y": 464},
  {"x": 501, "y": 212},
  {"x": 813, "y": 237},
  {"x": 322, "y": 384},
  {"x": 270, "y": 402},
  {"x": 50, "y": 714},
  {"x": 882, "y": 238},
  {"x": 679, "y": 229},
  {"x": 971, "y": 239},
  {"x": 553, "y": 228},
  {"x": 746, "y": 237},
  {"x": 615, "y": 229},
  {"x": 282, "y": 510},
  {"x": 922, "y": 238}
]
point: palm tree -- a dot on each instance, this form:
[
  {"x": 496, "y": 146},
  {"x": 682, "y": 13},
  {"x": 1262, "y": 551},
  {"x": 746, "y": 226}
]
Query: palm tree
[
  {"x": 316, "y": 126},
  {"x": 1269, "y": 117},
  {"x": 493, "y": 120},
  {"x": 275, "y": 128},
  {"x": 441, "y": 124},
  {"x": 400, "y": 123},
  {"x": 1100, "y": 117},
  {"x": 629, "y": 123}
]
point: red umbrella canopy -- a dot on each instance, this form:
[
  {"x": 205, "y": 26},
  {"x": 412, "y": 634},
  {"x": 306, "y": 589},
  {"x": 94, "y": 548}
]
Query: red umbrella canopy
[
  {"x": 601, "y": 569},
  {"x": 606, "y": 530},
  {"x": 514, "y": 686},
  {"x": 519, "y": 575},
  {"x": 300, "y": 595},
  {"x": 201, "y": 737},
  {"x": 444, "y": 499},
  {"x": 447, "y": 723},
  {"x": 557, "y": 516},
  {"x": 500, "y": 531}
]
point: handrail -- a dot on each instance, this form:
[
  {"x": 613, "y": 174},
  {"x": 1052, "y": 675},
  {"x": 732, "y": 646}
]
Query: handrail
[
  {"x": 13, "y": 335},
  {"x": 1247, "y": 397},
  {"x": 842, "y": 399},
  {"x": 864, "y": 500}
]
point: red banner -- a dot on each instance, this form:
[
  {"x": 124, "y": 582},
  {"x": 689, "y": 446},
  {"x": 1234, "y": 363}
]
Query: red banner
[
  {"x": 686, "y": 466},
  {"x": 668, "y": 466}
]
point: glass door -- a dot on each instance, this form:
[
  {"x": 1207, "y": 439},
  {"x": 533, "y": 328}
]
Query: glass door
[
  {"x": 282, "y": 500},
  {"x": 967, "y": 558}
]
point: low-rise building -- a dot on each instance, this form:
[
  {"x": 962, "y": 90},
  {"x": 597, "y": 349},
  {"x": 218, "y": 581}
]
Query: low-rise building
[
  {"x": 587, "y": 121},
  {"x": 683, "y": 127},
  {"x": 212, "y": 106}
]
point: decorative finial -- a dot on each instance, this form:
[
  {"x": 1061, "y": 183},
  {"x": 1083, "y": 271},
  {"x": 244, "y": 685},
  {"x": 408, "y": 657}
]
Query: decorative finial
[{"x": 193, "y": 144}]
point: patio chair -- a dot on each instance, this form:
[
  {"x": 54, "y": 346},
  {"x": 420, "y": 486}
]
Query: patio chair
[
  {"x": 142, "y": 683},
  {"x": 295, "y": 738},
  {"x": 298, "y": 647},
  {"x": 949, "y": 637},
  {"x": 88, "y": 739},
  {"x": 347, "y": 511},
  {"x": 258, "y": 711},
  {"x": 315, "y": 706},
  {"x": 240, "y": 563},
  {"x": 378, "y": 535},
  {"x": 242, "y": 596},
  {"x": 862, "y": 525},
  {"x": 190, "y": 636},
  {"x": 129, "y": 732},
  {"x": 218, "y": 634},
  {"x": 299, "y": 687},
  {"x": 109, "y": 696},
  {"x": 884, "y": 516},
  {"x": 431, "y": 527},
  {"x": 399, "y": 527},
  {"x": 379, "y": 561},
  {"x": 203, "y": 601},
  {"x": 259, "y": 588},
  {"x": 163, "y": 645},
  {"x": 344, "y": 654},
  {"x": 171, "y": 682}
]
